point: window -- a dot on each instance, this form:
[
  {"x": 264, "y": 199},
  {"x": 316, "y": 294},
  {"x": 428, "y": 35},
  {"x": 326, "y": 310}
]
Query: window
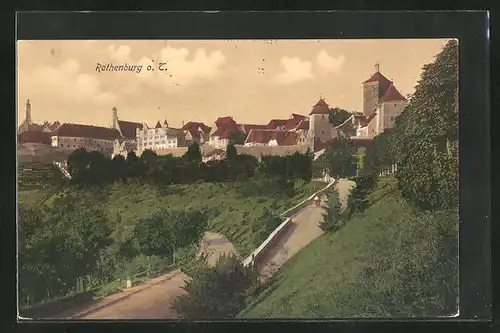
[{"x": 322, "y": 132}]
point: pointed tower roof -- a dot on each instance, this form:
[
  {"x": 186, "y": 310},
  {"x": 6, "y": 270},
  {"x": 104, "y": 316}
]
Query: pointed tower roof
[
  {"x": 392, "y": 94},
  {"x": 320, "y": 108},
  {"x": 377, "y": 76},
  {"x": 158, "y": 125},
  {"x": 165, "y": 122}
]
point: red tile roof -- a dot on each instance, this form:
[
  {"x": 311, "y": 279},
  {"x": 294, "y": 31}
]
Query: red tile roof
[
  {"x": 225, "y": 121},
  {"x": 294, "y": 121},
  {"x": 246, "y": 128},
  {"x": 320, "y": 108},
  {"x": 303, "y": 125},
  {"x": 34, "y": 137},
  {"x": 87, "y": 131},
  {"x": 392, "y": 94},
  {"x": 275, "y": 123},
  {"x": 192, "y": 125},
  {"x": 286, "y": 138},
  {"x": 299, "y": 116},
  {"x": 377, "y": 77},
  {"x": 361, "y": 143},
  {"x": 128, "y": 128}
]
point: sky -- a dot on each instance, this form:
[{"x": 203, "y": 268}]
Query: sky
[{"x": 200, "y": 80}]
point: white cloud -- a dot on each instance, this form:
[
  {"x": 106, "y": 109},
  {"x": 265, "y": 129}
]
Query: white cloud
[
  {"x": 66, "y": 83},
  {"x": 182, "y": 67},
  {"x": 295, "y": 70},
  {"x": 329, "y": 63}
]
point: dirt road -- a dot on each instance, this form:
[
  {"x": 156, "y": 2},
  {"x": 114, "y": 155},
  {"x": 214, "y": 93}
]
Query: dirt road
[
  {"x": 153, "y": 299},
  {"x": 303, "y": 230}
]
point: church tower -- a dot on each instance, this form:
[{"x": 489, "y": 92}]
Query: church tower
[
  {"x": 373, "y": 90},
  {"x": 28, "y": 114},
  {"x": 115, "y": 117}
]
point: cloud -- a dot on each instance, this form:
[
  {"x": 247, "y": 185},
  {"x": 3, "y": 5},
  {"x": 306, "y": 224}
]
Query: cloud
[
  {"x": 66, "y": 83},
  {"x": 329, "y": 63},
  {"x": 296, "y": 70},
  {"x": 182, "y": 67}
]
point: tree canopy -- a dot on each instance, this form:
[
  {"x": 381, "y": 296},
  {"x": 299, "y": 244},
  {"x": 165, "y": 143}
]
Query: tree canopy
[{"x": 337, "y": 116}]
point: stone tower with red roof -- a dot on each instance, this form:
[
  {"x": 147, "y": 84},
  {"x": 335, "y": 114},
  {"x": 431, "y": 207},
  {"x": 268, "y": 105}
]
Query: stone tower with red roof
[
  {"x": 373, "y": 90},
  {"x": 320, "y": 127}
]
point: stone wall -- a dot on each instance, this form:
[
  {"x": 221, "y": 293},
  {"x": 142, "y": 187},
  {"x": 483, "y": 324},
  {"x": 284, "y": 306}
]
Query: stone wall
[{"x": 258, "y": 151}]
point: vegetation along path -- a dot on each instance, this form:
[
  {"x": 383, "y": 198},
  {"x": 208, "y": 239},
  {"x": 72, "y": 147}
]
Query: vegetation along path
[{"x": 303, "y": 230}]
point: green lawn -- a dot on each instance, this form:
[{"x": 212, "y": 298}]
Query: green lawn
[
  {"x": 230, "y": 213},
  {"x": 388, "y": 261}
]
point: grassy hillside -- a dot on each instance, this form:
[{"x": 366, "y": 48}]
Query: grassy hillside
[
  {"x": 387, "y": 261},
  {"x": 230, "y": 213}
]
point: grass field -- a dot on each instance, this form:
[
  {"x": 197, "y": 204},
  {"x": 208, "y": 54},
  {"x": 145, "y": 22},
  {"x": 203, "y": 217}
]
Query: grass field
[
  {"x": 388, "y": 261},
  {"x": 230, "y": 214}
]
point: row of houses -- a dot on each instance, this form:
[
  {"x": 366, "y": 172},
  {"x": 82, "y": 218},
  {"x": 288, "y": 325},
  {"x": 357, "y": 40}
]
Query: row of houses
[{"x": 382, "y": 102}]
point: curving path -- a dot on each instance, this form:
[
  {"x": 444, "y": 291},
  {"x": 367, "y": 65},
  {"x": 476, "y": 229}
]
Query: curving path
[
  {"x": 153, "y": 298},
  {"x": 303, "y": 230}
]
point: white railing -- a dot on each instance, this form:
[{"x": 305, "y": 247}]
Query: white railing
[
  {"x": 63, "y": 168},
  {"x": 389, "y": 171},
  {"x": 288, "y": 219}
]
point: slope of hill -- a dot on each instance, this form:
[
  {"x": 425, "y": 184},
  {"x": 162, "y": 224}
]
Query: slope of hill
[
  {"x": 388, "y": 261},
  {"x": 235, "y": 216}
]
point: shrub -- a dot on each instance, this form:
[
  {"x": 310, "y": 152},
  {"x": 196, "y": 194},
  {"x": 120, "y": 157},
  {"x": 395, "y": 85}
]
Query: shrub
[
  {"x": 216, "y": 292},
  {"x": 332, "y": 218}
]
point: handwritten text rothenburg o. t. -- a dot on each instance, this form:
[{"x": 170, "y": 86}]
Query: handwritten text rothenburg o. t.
[{"x": 110, "y": 67}]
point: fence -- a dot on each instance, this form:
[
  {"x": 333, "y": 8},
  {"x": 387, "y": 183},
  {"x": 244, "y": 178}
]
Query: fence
[
  {"x": 389, "y": 171},
  {"x": 279, "y": 230}
]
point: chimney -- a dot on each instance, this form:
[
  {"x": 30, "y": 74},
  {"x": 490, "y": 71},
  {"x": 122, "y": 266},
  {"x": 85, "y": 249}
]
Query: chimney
[{"x": 115, "y": 117}]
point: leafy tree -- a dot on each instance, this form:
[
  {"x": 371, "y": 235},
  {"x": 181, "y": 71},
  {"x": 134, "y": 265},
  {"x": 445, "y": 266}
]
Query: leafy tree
[
  {"x": 337, "y": 116},
  {"x": 424, "y": 132},
  {"x": 237, "y": 138},
  {"x": 340, "y": 157},
  {"x": 358, "y": 196},
  {"x": 231, "y": 152},
  {"x": 165, "y": 231},
  {"x": 118, "y": 168},
  {"x": 148, "y": 157},
  {"x": 264, "y": 224},
  {"x": 381, "y": 154},
  {"x": 78, "y": 162},
  {"x": 193, "y": 153},
  {"x": 217, "y": 292},
  {"x": 134, "y": 166},
  {"x": 332, "y": 217}
]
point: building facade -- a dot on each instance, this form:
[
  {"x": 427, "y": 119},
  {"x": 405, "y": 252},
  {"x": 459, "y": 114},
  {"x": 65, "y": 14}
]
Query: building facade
[
  {"x": 159, "y": 137},
  {"x": 92, "y": 138}
]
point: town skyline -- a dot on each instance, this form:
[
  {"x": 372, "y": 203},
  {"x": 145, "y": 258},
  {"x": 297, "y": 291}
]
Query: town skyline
[{"x": 248, "y": 80}]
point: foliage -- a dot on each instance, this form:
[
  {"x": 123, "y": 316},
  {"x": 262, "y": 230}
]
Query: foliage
[
  {"x": 340, "y": 157},
  {"x": 216, "y": 292},
  {"x": 264, "y": 224},
  {"x": 237, "y": 138},
  {"x": 391, "y": 261},
  {"x": 337, "y": 116},
  {"x": 193, "y": 153},
  {"x": 380, "y": 155},
  {"x": 426, "y": 133},
  {"x": 332, "y": 217},
  {"x": 231, "y": 152},
  {"x": 358, "y": 197},
  {"x": 165, "y": 231}
]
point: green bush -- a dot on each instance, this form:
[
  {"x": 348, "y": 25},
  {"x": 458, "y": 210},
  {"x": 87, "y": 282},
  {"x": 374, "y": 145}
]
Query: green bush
[{"x": 332, "y": 217}]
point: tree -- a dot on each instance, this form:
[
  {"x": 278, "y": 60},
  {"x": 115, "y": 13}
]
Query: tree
[
  {"x": 231, "y": 152},
  {"x": 237, "y": 138},
  {"x": 332, "y": 217},
  {"x": 217, "y": 292},
  {"x": 337, "y": 116},
  {"x": 381, "y": 154},
  {"x": 78, "y": 162},
  {"x": 357, "y": 201},
  {"x": 340, "y": 157},
  {"x": 165, "y": 231},
  {"x": 424, "y": 132},
  {"x": 193, "y": 153}
]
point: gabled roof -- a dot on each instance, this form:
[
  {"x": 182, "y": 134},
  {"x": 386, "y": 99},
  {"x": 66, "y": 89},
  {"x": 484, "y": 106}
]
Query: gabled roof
[
  {"x": 377, "y": 77},
  {"x": 158, "y": 125},
  {"x": 87, "y": 131},
  {"x": 225, "y": 121},
  {"x": 192, "y": 125},
  {"x": 303, "y": 125},
  {"x": 224, "y": 133},
  {"x": 320, "y": 108},
  {"x": 128, "y": 128},
  {"x": 275, "y": 123},
  {"x": 34, "y": 137},
  {"x": 392, "y": 94},
  {"x": 286, "y": 138},
  {"x": 246, "y": 128}
]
